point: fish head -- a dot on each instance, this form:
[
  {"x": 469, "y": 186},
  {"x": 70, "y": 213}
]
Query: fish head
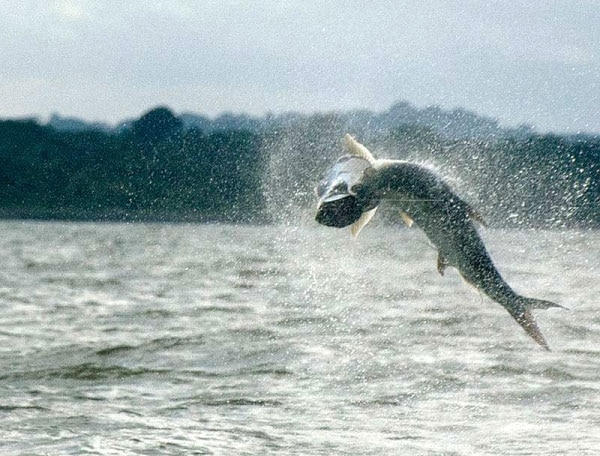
[{"x": 340, "y": 202}]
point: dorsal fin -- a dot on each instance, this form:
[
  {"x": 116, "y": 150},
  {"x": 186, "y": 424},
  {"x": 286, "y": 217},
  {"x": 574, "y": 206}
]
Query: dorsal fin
[
  {"x": 361, "y": 222},
  {"x": 357, "y": 149}
]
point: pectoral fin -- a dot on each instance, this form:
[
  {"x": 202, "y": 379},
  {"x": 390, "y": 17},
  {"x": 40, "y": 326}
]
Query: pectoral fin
[
  {"x": 361, "y": 222},
  {"x": 406, "y": 219}
]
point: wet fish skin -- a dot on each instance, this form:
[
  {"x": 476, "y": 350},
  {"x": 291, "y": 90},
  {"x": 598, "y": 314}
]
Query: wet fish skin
[{"x": 449, "y": 223}]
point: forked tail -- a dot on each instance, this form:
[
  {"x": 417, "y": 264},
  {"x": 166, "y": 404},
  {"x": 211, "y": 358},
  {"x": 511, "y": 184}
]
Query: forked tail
[{"x": 521, "y": 311}]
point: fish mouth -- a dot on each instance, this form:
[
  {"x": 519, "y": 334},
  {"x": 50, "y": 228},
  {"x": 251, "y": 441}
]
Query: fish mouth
[
  {"x": 339, "y": 204},
  {"x": 338, "y": 211}
]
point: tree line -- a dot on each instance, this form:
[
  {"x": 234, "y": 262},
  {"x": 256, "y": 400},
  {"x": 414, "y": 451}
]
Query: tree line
[
  {"x": 160, "y": 168},
  {"x": 153, "y": 171}
]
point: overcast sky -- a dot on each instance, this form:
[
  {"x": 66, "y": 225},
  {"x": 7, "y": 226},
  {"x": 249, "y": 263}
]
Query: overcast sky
[{"x": 534, "y": 62}]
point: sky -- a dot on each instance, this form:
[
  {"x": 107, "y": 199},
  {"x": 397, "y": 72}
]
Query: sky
[{"x": 529, "y": 62}]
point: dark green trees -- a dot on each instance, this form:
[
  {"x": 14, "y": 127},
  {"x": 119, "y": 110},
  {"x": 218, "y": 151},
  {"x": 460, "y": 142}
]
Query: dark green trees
[
  {"x": 162, "y": 167},
  {"x": 154, "y": 170}
]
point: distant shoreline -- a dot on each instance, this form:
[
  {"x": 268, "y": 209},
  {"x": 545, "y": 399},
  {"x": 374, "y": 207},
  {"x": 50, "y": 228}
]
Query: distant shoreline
[{"x": 163, "y": 168}]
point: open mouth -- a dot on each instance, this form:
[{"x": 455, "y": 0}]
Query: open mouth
[{"x": 339, "y": 212}]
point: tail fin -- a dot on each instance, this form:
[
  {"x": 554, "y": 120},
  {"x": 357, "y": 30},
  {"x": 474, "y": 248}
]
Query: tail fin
[{"x": 522, "y": 313}]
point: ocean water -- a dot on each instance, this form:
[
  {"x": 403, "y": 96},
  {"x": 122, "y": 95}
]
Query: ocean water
[{"x": 158, "y": 339}]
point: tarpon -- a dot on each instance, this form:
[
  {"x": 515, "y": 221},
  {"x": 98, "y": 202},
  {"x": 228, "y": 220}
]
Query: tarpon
[{"x": 353, "y": 189}]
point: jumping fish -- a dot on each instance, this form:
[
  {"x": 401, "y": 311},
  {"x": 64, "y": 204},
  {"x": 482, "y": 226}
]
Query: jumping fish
[{"x": 355, "y": 186}]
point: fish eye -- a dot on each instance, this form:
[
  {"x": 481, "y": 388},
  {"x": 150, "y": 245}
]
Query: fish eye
[{"x": 356, "y": 188}]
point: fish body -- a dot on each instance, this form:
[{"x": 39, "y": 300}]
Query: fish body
[{"x": 447, "y": 220}]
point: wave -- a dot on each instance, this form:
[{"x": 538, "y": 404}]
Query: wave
[
  {"x": 153, "y": 345},
  {"x": 88, "y": 371},
  {"x": 241, "y": 401}
]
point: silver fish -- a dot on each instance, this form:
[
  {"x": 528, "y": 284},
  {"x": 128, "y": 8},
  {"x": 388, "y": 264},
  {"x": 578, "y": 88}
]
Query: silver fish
[
  {"x": 353, "y": 189},
  {"x": 338, "y": 204}
]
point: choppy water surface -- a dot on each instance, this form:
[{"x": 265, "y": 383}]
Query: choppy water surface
[{"x": 193, "y": 339}]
